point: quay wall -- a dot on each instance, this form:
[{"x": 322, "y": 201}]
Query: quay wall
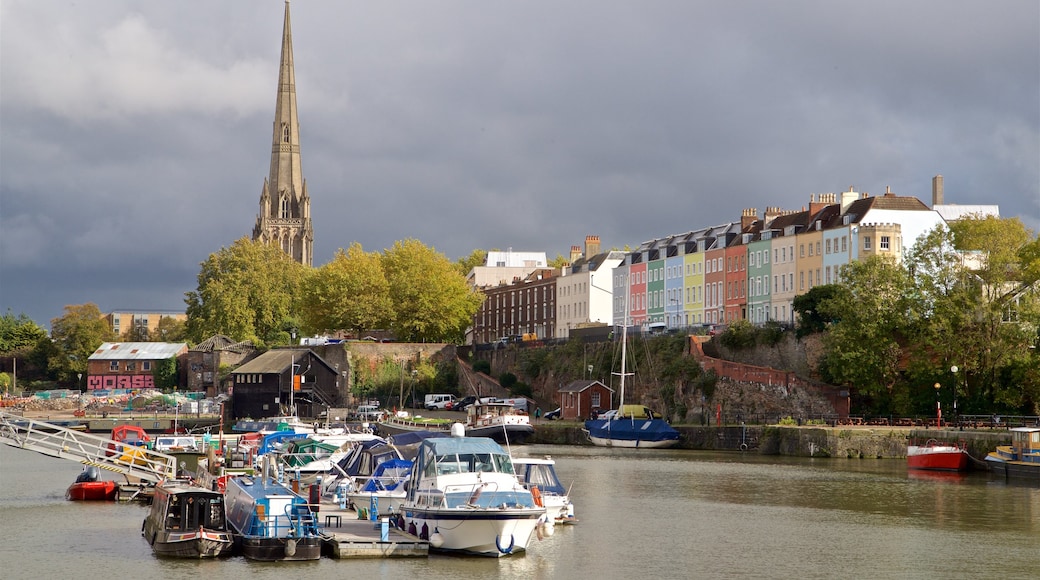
[{"x": 857, "y": 442}]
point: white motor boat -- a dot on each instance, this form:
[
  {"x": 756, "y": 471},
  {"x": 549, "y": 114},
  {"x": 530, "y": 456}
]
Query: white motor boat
[
  {"x": 538, "y": 475},
  {"x": 464, "y": 496}
]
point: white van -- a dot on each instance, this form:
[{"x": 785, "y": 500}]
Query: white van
[{"x": 438, "y": 402}]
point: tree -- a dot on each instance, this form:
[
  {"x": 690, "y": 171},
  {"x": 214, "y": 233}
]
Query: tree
[
  {"x": 247, "y": 291},
  {"x": 170, "y": 329},
  {"x": 74, "y": 337},
  {"x": 862, "y": 347},
  {"x": 559, "y": 261},
  {"x": 164, "y": 375},
  {"x": 475, "y": 258},
  {"x": 19, "y": 332},
  {"x": 348, "y": 293},
  {"x": 807, "y": 306},
  {"x": 432, "y": 301}
]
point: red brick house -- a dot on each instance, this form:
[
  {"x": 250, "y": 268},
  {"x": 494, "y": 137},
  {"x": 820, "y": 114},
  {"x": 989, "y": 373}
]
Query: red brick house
[
  {"x": 580, "y": 398},
  {"x": 131, "y": 365}
]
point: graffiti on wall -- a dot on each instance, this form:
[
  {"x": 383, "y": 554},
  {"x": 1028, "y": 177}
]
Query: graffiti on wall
[{"x": 99, "y": 382}]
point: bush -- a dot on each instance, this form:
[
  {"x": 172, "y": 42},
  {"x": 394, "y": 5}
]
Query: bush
[{"x": 482, "y": 366}]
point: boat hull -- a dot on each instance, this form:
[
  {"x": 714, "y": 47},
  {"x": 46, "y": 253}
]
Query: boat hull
[
  {"x": 192, "y": 544},
  {"x": 509, "y": 434},
  {"x": 92, "y": 491},
  {"x": 279, "y": 549},
  {"x": 482, "y": 532},
  {"x": 937, "y": 457},
  {"x": 634, "y": 433}
]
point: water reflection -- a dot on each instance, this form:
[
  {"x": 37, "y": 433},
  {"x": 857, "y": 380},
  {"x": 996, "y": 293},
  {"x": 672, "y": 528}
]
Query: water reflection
[{"x": 644, "y": 514}]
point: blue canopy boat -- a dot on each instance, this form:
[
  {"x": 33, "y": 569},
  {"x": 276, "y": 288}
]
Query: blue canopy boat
[{"x": 271, "y": 521}]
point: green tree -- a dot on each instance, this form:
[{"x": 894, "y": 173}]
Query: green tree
[
  {"x": 74, "y": 337},
  {"x": 807, "y": 306},
  {"x": 432, "y": 301},
  {"x": 5, "y": 382},
  {"x": 170, "y": 329},
  {"x": 559, "y": 261},
  {"x": 862, "y": 347},
  {"x": 474, "y": 259},
  {"x": 164, "y": 374},
  {"x": 19, "y": 332},
  {"x": 348, "y": 293},
  {"x": 247, "y": 291}
]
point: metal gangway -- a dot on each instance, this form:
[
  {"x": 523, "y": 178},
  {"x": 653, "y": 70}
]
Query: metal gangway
[{"x": 134, "y": 462}]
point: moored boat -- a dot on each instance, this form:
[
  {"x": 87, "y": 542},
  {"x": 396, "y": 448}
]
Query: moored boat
[
  {"x": 463, "y": 496},
  {"x": 1021, "y": 459},
  {"x": 271, "y": 522},
  {"x": 499, "y": 421},
  {"x": 383, "y": 492},
  {"x": 90, "y": 487},
  {"x": 938, "y": 455},
  {"x": 539, "y": 476},
  {"x": 187, "y": 521}
]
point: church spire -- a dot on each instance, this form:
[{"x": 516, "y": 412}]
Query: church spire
[{"x": 284, "y": 204}]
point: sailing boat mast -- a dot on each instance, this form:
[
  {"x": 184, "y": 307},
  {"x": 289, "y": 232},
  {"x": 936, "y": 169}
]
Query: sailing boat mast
[{"x": 624, "y": 354}]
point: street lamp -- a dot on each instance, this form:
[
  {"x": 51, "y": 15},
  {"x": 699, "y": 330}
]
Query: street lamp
[
  {"x": 954, "y": 370},
  {"x": 938, "y": 407}
]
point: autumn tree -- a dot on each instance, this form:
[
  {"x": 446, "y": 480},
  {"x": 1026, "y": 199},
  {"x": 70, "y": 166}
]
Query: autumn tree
[
  {"x": 74, "y": 337},
  {"x": 348, "y": 293},
  {"x": 475, "y": 258},
  {"x": 431, "y": 299},
  {"x": 247, "y": 291}
]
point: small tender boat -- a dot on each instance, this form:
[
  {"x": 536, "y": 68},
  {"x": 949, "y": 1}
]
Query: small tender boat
[
  {"x": 90, "y": 487},
  {"x": 464, "y": 496},
  {"x": 384, "y": 491},
  {"x": 125, "y": 438},
  {"x": 499, "y": 421},
  {"x": 539, "y": 476},
  {"x": 187, "y": 521},
  {"x": 271, "y": 522},
  {"x": 1021, "y": 459},
  {"x": 938, "y": 455}
]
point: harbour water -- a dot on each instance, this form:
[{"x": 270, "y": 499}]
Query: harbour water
[{"x": 644, "y": 514}]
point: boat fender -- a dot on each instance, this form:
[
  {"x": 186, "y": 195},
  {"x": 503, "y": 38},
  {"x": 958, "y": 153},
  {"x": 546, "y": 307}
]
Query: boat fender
[
  {"x": 536, "y": 494},
  {"x": 508, "y": 549},
  {"x": 425, "y": 532},
  {"x": 436, "y": 540},
  {"x": 538, "y": 529},
  {"x": 476, "y": 495},
  {"x": 411, "y": 528},
  {"x": 550, "y": 527},
  {"x": 290, "y": 548}
]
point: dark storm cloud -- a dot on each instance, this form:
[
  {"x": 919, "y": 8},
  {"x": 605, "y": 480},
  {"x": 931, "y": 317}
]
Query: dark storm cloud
[{"x": 136, "y": 136}]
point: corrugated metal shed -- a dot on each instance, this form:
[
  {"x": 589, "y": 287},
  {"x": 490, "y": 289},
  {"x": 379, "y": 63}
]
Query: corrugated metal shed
[
  {"x": 274, "y": 361},
  {"x": 138, "y": 350}
]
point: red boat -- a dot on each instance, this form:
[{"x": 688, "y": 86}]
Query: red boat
[
  {"x": 89, "y": 487},
  {"x": 937, "y": 455}
]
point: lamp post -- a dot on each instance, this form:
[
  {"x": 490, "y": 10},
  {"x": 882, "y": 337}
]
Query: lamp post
[
  {"x": 938, "y": 407},
  {"x": 954, "y": 369}
]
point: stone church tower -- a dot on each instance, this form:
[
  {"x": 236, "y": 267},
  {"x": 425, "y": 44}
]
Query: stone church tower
[{"x": 285, "y": 207}]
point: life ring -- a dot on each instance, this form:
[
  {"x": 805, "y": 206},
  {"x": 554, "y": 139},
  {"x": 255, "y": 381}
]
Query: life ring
[
  {"x": 508, "y": 549},
  {"x": 536, "y": 494},
  {"x": 743, "y": 446}
]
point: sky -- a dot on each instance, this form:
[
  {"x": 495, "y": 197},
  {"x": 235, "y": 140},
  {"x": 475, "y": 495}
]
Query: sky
[{"x": 135, "y": 136}]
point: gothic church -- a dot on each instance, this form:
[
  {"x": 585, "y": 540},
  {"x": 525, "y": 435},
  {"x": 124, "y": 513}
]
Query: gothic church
[{"x": 285, "y": 207}]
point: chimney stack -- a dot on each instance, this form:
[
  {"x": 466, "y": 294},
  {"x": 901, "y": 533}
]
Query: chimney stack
[
  {"x": 748, "y": 217},
  {"x": 937, "y": 190},
  {"x": 575, "y": 253},
  {"x": 591, "y": 246}
]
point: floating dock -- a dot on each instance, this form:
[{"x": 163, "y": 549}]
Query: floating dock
[{"x": 350, "y": 537}]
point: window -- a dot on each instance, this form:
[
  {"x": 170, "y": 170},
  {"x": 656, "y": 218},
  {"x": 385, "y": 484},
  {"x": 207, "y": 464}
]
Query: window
[
  {"x": 131, "y": 366},
  {"x": 828, "y": 246},
  {"x": 113, "y": 366},
  {"x": 817, "y": 247},
  {"x": 285, "y": 133},
  {"x": 844, "y": 245},
  {"x": 884, "y": 244},
  {"x": 866, "y": 243},
  {"x": 801, "y": 250}
]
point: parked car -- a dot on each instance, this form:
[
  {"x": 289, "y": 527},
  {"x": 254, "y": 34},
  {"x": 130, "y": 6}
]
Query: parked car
[
  {"x": 462, "y": 403},
  {"x": 554, "y": 414}
]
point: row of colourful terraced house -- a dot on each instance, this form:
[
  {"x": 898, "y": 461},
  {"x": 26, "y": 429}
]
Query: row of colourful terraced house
[{"x": 750, "y": 269}]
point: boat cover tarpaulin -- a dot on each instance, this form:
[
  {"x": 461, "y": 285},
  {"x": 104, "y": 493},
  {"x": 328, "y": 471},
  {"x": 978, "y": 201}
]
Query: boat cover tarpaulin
[{"x": 627, "y": 429}]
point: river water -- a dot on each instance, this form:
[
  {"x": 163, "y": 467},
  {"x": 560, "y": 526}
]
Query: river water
[{"x": 644, "y": 514}]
